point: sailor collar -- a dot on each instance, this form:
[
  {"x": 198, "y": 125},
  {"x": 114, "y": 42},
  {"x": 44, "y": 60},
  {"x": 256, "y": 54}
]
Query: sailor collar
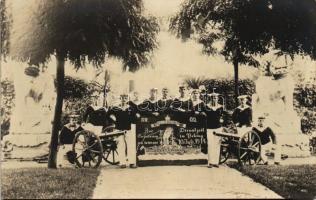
[
  {"x": 152, "y": 100},
  {"x": 72, "y": 128},
  {"x": 261, "y": 129},
  {"x": 124, "y": 108},
  {"x": 183, "y": 98},
  {"x": 243, "y": 108},
  {"x": 215, "y": 107},
  {"x": 198, "y": 101},
  {"x": 164, "y": 99}
]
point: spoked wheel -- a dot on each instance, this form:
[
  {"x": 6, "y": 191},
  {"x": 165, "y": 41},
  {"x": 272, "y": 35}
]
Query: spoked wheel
[
  {"x": 87, "y": 149},
  {"x": 110, "y": 154},
  {"x": 224, "y": 153},
  {"x": 249, "y": 149}
]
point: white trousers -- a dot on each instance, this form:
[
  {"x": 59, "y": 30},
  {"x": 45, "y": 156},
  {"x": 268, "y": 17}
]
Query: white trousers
[
  {"x": 121, "y": 149},
  {"x": 213, "y": 146},
  {"x": 270, "y": 147},
  {"x": 126, "y": 147},
  {"x": 62, "y": 160},
  {"x": 131, "y": 145},
  {"x": 242, "y": 130}
]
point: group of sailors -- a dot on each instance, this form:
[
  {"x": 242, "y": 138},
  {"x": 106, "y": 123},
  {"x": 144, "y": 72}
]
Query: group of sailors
[{"x": 199, "y": 102}]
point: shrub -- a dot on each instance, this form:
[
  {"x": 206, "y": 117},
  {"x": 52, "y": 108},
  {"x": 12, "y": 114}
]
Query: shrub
[
  {"x": 225, "y": 87},
  {"x": 304, "y": 97}
]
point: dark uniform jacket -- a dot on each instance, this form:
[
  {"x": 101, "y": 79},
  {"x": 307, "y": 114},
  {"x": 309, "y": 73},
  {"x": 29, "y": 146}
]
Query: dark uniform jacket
[
  {"x": 214, "y": 116},
  {"x": 124, "y": 117},
  {"x": 242, "y": 116},
  {"x": 96, "y": 117},
  {"x": 265, "y": 135},
  {"x": 199, "y": 107},
  {"x": 67, "y": 135},
  {"x": 148, "y": 107},
  {"x": 164, "y": 105},
  {"x": 181, "y": 104}
]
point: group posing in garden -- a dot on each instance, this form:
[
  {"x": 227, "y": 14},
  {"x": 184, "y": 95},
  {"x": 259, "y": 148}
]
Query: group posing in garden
[{"x": 198, "y": 102}]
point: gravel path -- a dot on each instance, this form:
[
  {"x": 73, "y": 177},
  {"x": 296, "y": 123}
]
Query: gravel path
[{"x": 178, "y": 182}]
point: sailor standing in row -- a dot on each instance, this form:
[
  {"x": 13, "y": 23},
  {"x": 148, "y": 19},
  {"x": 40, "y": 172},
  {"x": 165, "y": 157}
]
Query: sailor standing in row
[
  {"x": 124, "y": 117},
  {"x": 150, "y": 106},
  {"x": 96, "y": 112},
  {"x": 165, "y": 101},
  {"x": 203, "y": 94},
  {"x": 242, "y": 115},
  {"x": 182, "y": 102},
  {"x": 214, "y": 112},
  {"x": 196, "y": 104}
]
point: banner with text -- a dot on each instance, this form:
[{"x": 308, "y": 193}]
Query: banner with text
[{"x": 182, "y": 133}]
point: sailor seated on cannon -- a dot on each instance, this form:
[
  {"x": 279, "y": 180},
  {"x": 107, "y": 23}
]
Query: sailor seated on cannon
[
  {"x": 214, "y": 112},
  {"x": 268, "y": 140},
  {"x": 66, "y": 137},
  {"x": 242, "y": 115},
  {"x": 123, "y": 117}
]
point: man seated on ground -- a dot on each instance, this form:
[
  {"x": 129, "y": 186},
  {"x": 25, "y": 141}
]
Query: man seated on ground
[
  {"x": 268, "y": 141},
  {"x": 242, "y": 115},
  {"x": 66, "y": 137}
]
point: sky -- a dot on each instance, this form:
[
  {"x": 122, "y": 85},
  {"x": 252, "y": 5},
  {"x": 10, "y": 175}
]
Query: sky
[{"x": 172, "y": 61}]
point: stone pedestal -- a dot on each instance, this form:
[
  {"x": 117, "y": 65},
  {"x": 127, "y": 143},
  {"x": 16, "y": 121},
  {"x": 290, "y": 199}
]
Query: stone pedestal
[
  {"x": 25, "y": 146},
  {"x": 294, "y": 145},
  {"x": 274, "y": 100}
]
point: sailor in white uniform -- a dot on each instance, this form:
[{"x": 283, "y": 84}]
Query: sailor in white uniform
[
  {"x": 242, "y": 115},
  {"x": 214, "y": 112}
]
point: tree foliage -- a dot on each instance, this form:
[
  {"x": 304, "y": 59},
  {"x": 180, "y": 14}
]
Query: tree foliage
[
  {"x": 249, "y": 27},
  {"x": 5, "y": 23},
  {"x": 81, "y": 31}
]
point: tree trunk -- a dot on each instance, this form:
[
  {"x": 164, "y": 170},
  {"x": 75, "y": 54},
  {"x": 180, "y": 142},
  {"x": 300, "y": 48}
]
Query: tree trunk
[
  {"x": 236, "y": 80},
  {"x": 104, "y": 89},
  {"x": 60, "y": 76}
]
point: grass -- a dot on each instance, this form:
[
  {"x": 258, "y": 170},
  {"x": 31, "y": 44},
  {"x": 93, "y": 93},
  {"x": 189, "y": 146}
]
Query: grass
[
  {"x": 290, "y": 182},
  {"x": 42, "y": 183}
]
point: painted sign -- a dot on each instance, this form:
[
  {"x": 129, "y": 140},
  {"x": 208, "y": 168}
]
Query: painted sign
[{"x": 184, "y": 133}]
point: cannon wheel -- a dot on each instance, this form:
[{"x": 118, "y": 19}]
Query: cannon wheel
[
  {"x": 249, "y": 148},
  {"x": 110, "y": 154},
  {"x": 224, "y": 155},
  {"x": 87, "y": 149}
]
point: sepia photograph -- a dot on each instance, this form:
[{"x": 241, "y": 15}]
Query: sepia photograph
[{"x": 158, "y": 99}]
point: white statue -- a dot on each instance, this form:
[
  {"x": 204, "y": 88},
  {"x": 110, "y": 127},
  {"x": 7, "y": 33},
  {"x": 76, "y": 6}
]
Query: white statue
[
  {"x": 274, "y": 98},
  {"x": 32, "y": 115}
]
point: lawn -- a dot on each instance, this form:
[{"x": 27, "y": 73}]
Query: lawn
[
  {"x": 291, "y": 182},
  {"x": 42, "y": 183}
]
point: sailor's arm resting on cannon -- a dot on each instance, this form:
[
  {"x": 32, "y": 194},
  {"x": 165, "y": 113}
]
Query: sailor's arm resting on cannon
[{"x": 123, "y": 116}]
